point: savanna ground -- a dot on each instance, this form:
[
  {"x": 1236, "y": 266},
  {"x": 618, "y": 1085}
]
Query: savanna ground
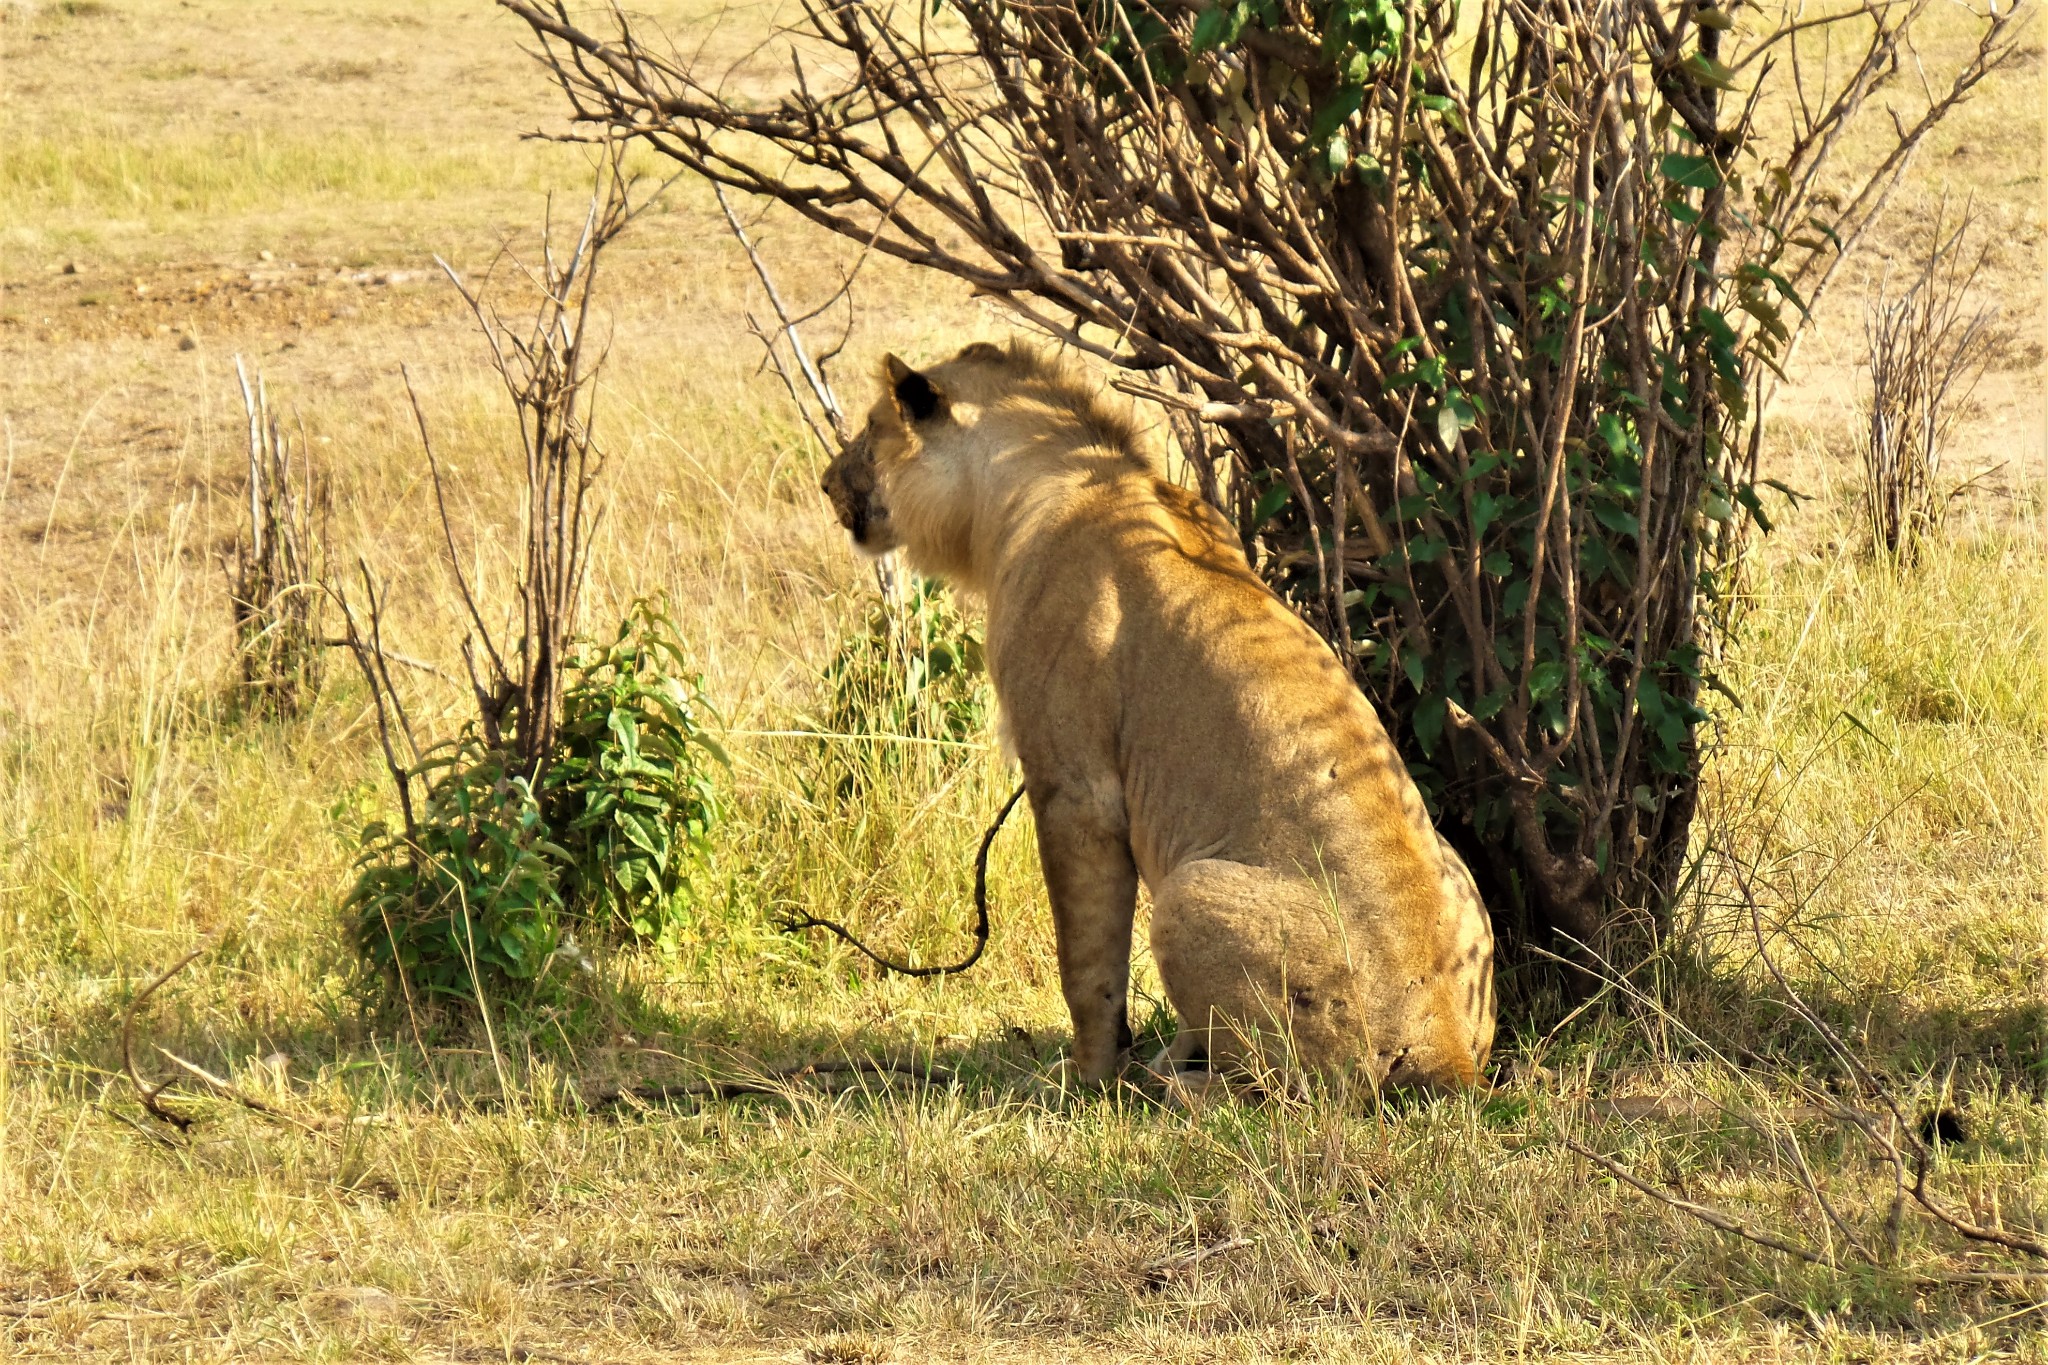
[{"x": 181, "y": 183}]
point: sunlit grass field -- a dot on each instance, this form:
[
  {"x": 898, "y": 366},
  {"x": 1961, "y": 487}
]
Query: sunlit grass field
[{"x": 269, "y": 182}]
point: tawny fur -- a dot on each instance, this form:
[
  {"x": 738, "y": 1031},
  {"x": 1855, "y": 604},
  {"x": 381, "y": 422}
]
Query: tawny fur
[{"x": 1177, "y": 723}]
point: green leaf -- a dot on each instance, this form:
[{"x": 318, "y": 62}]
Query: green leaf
[
  {"x": 1489, "y": 706},
  {"x": 1710, "y": 73},
  {"x": 1427, "y": 721},
  {"x": 1427, "y": 550},
  {"x": 1692, "y": 172},
  {"x": 1270, "y": 502},
  {"x": 1545, "y": 678},
  {"x": 1337, "y": 107},
  {"x": 1429, "y": 373},
  {"x": 1617, "y": 437},
  {"x": 1447, "y": 426},
  {"x": 1486, "y": 509},
  {"x": 1683, "y": 212},
  {"x": 1746, "y": 495},
  {"x": 1212, "y": 30},
  {"x": 1618, "y": 520},
  {"x": 1336, "y": 155}
]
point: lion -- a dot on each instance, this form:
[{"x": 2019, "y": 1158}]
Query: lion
[{"x": 1177, "y": 725}]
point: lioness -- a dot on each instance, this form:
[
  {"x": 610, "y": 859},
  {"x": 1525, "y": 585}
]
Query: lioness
[{"x": 1176, "y": 722}]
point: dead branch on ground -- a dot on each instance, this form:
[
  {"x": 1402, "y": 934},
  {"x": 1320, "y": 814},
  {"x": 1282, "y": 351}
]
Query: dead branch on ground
[
  {"x": 150, "y": 1095},
  {"x": 1877, "y": 1120},
  {"x": 769, "y": 1081},
  {"x": 1165, "y": 1270}
]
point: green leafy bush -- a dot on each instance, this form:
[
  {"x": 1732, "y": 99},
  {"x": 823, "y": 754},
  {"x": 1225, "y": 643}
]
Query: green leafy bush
[
  {"x": 473, "y": 892},
  {"x": 1462, "y": 313},
  {"x": 629, "y": 793},
  {"x": 913, "y": 678},
  {"x": 499, "y": 866}
]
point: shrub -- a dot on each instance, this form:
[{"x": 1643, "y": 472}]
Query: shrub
[
  {"x": 275, "y": 568},
  {"x": 1460, "y": 315},
  {"x": 473, "y": 896},
  {"x": 629, "y": 792},
  {"x": 912, "y": 679},
  {"x": 915, "y": 670},
  {"x": 1927, "y": 349},
  {"x": 499, "y": 868}
]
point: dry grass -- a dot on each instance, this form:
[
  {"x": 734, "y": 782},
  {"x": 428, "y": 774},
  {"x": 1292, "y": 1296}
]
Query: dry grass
[{"x": 1884, "y": 775}]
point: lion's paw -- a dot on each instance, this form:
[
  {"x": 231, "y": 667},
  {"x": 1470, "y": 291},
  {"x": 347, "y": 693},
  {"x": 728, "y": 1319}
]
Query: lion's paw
[{"x": 1065, "y": 1080}]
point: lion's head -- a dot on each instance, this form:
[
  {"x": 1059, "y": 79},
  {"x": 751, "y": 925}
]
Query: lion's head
[
  {"x": 854, "y": 480},
  {"x": 905, "y": 479}
]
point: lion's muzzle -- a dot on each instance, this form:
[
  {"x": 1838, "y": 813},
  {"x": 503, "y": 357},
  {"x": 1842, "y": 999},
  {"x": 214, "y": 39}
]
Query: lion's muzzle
[{"x": 849, "y": 482}]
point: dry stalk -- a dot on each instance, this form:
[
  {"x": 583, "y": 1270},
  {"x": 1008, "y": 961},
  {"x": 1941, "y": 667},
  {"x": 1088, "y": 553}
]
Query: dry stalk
[
  {"x": 1734, "y": 1227},
  {"x": 549, "y": 366},
  {"x": 828, "y": 425},
  {"x": 1927, "y": 350},
  {"x": 814, "y": 401},
  {"x": 273, "y": 581}
]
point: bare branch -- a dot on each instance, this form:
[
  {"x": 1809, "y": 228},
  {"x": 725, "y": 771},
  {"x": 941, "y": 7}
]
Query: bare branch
[{"x": 149, "y": 1094}]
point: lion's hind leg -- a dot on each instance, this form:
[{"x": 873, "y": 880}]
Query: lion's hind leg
[{"x": 1256, "y": 965}]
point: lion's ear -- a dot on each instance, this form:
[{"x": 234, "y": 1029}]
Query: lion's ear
[{"x": 917, "y": 398}]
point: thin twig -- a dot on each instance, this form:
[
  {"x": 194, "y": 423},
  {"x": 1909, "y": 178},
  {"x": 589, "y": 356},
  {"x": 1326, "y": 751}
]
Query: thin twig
[
  {"x": 1922, "y": 1160},
  {"x": 402, "y": 660},
  {"x": 1168, "y": 1268},
  {"x": 812, "y": 375},
  {"x": 149, "y": 1094},
  {"x": 774, "y": 1081},
  {"x": 229, "y": 1090},
  {"x": 1706, "y": 1213}
]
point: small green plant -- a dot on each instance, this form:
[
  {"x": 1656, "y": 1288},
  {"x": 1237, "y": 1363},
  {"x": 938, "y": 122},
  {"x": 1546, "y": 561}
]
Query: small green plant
[
  {"x": 915, "y": 670},
  {"x": 471, "y": 893},
  {"x": 496, "y": 867},
  {"x": 629, "y": 793},
  {"x": 912, "y": 677}
]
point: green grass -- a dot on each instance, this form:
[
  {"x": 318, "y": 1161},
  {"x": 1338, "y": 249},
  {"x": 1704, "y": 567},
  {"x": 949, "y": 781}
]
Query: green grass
[
  {"x": 436, "y": 1191},
  {"x": 467, "y": 1193}
]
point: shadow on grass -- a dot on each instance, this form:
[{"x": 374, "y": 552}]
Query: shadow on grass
[
  {"x": 363, "y": 1045},
  {"x": 618, "y": 1041}
]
